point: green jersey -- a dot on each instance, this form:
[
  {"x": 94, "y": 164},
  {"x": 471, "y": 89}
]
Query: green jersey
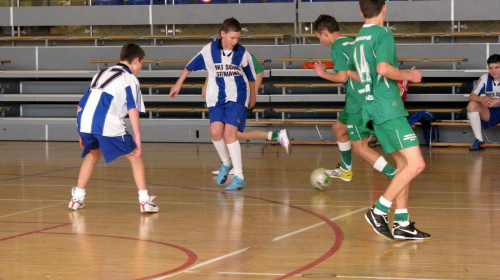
[
  {"x": 341, "y": 51},
  {"x": 373, "y": 45},
  {"x": 256, "y": 65}
]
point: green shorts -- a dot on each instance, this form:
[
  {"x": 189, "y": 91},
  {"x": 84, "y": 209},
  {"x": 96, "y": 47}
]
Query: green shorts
[
  {"x": 356, "y": 128},
  {"x": 343, "y": 117},
  {"x": 395, "y": 134}
]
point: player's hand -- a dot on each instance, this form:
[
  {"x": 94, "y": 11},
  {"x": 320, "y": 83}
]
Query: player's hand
[
  {"x": 249, "y": 112},
  {"x": 81, "y": 143},
  {"x": 138, "y": 150},
  {"x": 319, "y": 68},
  {"x": 416, "y": 75},
  {"x": 174, "y": 91},
  {"x": 488, "y": 102}
]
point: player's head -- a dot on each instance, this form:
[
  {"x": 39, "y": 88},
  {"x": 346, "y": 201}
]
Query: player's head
[
  {"x": 494, "y": 66},
  {"x": 323, "y": 27},
  {"x": 133, "y": 56},
  {"x": 371, "y": 8},
  {"x": 230, "y": 33}
]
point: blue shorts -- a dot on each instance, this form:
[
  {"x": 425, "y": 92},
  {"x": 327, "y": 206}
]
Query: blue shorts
[
  {"x": 111, "y": 147},
  {"x": 231, "y": 113},
  {"x": 494, "y": 118}
]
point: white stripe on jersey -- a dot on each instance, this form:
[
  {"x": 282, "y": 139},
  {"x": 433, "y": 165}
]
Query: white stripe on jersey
[{"x": 112, "y": 93}]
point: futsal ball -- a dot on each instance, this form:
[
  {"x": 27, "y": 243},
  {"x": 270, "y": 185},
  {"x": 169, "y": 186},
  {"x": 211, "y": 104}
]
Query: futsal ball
[{"x": 319, "y": 180}]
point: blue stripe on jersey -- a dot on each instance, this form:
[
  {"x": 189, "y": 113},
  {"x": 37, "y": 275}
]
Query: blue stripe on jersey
[
  {"x": 238, "y": 55},
  {"x": 221, "y": 97},
  {"x": 84, "y": 99},
  {"x": 130, "y": 99},
  {"x": 216, "y": 52},
  {"x": 197, "y": 63},
  {"x": 101, "y": 111},
  {"x": 241, "y": 86},
  {"x": 248, "y": 72}
]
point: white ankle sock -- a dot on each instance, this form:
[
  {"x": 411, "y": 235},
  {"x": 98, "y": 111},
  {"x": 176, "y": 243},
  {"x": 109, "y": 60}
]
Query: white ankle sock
[
  {"x": 143, "y": 195},
  {"x": 221, "y": 148},
  {"x": 235, "y": 152}
]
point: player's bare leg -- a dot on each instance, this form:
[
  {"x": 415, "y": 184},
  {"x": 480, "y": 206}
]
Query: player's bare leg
[
  {"x": 477, "y": 112},
  {"x": 145, "y": 201},
  {"x": 361, "y": 148},
  {"x": 343, "y": 170},
  {"x": 86, "y": 171}
]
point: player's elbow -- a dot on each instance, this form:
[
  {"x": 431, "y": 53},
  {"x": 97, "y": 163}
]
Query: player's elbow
[{"x": 382, "y": 69}]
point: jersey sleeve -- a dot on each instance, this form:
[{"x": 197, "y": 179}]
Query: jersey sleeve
[
  {"x": 248, "y": 66},
  {"x": 197, "y": 63},
  {"x": 386, "y": 47},
  {"x": 134, "y": 96},
  {"x": 339, "y": 60},
  {"x": 258, "y": 68},
  {"x": 481, "y": 85}
]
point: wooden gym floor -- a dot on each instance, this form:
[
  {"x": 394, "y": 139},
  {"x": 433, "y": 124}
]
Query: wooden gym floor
[{"x": 278, "y": 227}]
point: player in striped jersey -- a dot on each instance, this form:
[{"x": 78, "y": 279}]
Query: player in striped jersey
[
  {"x": 113, "y": 93},
  {"x": 484, "y": 102},
  {"x": 230, "y": 91}
]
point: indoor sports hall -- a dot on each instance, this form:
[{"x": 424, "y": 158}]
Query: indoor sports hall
[{"x": 279, "y": 226}]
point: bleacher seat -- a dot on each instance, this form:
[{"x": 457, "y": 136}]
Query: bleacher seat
[
  {"x": 169, "y": 2},
  {"x": 246, "y": 1},
  {"x": 139, "y": 2},
  {"x": 108, "y": 2},
  {"x": 278, "y": 1},
  {"x": 212, "y": 2}
]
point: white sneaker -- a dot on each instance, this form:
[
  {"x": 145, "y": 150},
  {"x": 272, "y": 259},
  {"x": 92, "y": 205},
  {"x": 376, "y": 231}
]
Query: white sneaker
[
  {"x": 147, "y": 206},
  {"x": 284, "y": 140},
  {"x": 76, "y": 202},
  {"x": 216, "y": 172}
]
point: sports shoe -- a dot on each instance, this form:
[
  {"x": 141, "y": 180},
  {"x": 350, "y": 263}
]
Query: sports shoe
[
  {"x": 76, "y": 202},
  {"x": 339, "y": 173},
  {"x": 147, "y": 206},
  {"x": 409, "y": 232},
  {"x": 236, "y": 184},
  {"x": 379, "y": 224},
  {"x": 223, "y": 172},
  {"x": 478, "y": 145},
  {"x": 284, "y": 140},
  {"x": 216, "y": 172}
]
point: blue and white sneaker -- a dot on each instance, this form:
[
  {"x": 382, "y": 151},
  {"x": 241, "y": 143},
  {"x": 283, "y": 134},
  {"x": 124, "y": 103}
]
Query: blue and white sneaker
[
  {"x": 222, "y": 176},
  {"x": 236, "y": 184},
  {"x": 478, "y": 145}
]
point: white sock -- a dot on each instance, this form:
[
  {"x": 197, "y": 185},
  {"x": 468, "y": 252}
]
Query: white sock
[
  {"x": 235, "y": 152},
  {"x": 221, "y": 148},
  {"x": 384, "y": 202},
  {"x": 380, "y": 164},
  {"x": 143, "y": 195},
  {"x": 475, "y": 123},
  {"x": 80, "y": 193},
  {"x": 344, "y": 146},
  {"x": 270, "y": 135}
]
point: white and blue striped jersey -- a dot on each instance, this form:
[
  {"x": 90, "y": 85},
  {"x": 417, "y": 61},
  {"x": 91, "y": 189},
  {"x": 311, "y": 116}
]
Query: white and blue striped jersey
[
  {"x": 228, "y": 73},
  {"x": 112, "y": 93},
  {"x": 489, "y": 87}
]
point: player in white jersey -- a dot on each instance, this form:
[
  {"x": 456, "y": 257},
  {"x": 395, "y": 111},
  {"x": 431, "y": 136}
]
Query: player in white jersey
[
  {"x": 113, "y": 93},
  {"x": 484, "y": 102},
  {"x": 230, "y": 91}
]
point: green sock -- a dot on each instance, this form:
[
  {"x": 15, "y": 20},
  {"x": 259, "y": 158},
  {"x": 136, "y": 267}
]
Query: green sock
[
  {"x": 275, "y": 136},
  {"x": 346, "y": 161},
  {"x": 382, "y": 207},
  {"x": 389, "y": 171},
  {"x": 401, "y": 217}
]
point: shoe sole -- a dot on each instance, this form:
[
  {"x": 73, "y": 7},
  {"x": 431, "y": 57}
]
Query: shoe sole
[
  {"x": 289, "y": 150},
  {"x": 335, "y": 177},
  {"x": 401, "y": 238},
  {"x": 374, "y": 229},
  {"x": 216, "y": 172}
]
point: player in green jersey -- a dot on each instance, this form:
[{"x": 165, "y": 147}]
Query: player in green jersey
[
  {"x": 349, "y": 128},
  {"x": 375, "y": 61}
]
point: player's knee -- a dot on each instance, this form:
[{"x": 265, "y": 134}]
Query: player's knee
[
  {"x": 416, "y": 167},
  {"x": 472, "y": 106}
]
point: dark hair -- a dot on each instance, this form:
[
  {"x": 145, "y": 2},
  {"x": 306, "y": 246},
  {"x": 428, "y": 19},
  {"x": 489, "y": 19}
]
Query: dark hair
[
  {"x": 494, "y": 58},
  {"x": 230, "y": 24},
  {"x": 130, "y": 52},
  {"x": 371, "y": 8},
  {"x": 325, "y": 22}
]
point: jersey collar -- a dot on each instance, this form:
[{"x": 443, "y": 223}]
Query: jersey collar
[{"x": 124, "y": 67}]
